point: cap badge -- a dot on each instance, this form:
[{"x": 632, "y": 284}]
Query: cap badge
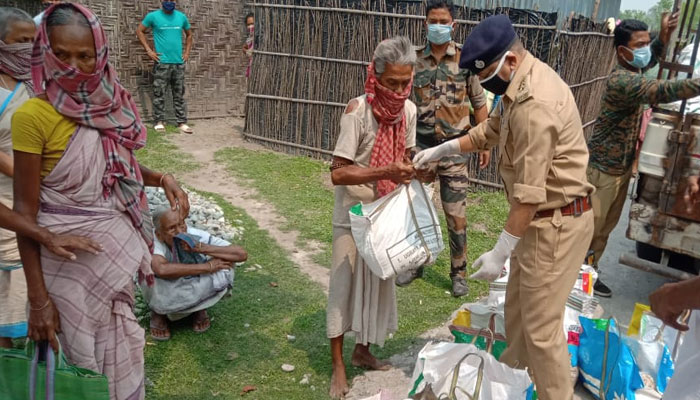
[{"x": 479, "y": 64}]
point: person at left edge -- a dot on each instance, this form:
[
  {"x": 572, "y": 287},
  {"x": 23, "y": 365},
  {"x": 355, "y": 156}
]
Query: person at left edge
[
  {"x": 442, "y": 92},
  {"x": 76, "y": 172},
  {"x": 169, "y": 68},
  {"x": 543, "y": 158}
]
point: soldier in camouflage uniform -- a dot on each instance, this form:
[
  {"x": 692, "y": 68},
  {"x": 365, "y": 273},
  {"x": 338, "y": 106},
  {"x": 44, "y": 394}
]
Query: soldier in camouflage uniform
[
  {"x": 442, "y": 92},
  {"x": 613, "y": 144}
]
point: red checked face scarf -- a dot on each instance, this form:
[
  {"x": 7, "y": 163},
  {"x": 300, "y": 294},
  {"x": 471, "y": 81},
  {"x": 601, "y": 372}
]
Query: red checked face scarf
[
  {"x": 388, "y": 110},
  {"x": 15, "y": 60}
]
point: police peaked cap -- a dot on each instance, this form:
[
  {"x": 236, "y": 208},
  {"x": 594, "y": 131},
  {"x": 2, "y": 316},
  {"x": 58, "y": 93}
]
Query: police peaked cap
[{"x": 487, "y": 43}]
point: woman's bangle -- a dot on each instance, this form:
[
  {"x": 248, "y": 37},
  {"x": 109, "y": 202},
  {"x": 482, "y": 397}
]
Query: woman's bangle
[
  {"x": 48, "y": 301},
  {"x": 211, "y": 267},
  {"x": 160, "y": 183}
]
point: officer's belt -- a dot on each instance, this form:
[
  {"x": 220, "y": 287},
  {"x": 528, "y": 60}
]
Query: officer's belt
[{"x": 575, "y": 208}]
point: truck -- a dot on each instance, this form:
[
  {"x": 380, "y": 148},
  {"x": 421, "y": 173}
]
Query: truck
[{"x": 666, "y": 232}]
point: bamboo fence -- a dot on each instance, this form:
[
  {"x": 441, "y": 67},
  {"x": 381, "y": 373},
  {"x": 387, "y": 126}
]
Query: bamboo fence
[{"x": 312, "y": 55}]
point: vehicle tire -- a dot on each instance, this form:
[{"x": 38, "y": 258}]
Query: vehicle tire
[{"x": 648, "y": 252}]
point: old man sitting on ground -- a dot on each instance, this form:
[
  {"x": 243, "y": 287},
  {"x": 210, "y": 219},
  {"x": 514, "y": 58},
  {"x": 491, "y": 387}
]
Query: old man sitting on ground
[{"x": 193, "y": 272}]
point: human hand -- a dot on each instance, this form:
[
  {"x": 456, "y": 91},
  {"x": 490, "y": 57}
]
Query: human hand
[
  {"x": 669, "y": 22},
  {"x": 399, "y": 172},
  {"x": 197, "y": 248},
  {"x": 491, "y": 264},
  {"x": 218, "y": 264},
  {"x": 186, "y": 57},
  {"x": 664, "y": 305},
  {"x": 484, "y": 159},
  {"x": 64, "y": 245},
  {"x": 435, "y": 153},
  {"x": 44, "y": 323},
  {"x": 425, "y": 175},
  {"x": 153, "y": 55},
  {"x": 176, "y": 196},
  {"x": 691, "y": 193}
]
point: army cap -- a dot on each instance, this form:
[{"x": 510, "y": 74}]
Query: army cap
[{"x": 487, "y": 43}]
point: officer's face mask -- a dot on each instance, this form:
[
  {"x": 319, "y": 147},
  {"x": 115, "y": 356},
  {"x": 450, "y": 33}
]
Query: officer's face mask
[
  {"x": 168, "y": 6},
  {"x": 642, "y": 56},
  {"x": 494, "y": 83},
  {"x": 439, "y": 34}
]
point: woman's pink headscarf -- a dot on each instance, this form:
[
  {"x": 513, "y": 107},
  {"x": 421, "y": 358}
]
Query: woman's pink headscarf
[{"x": 98, "y": 101}]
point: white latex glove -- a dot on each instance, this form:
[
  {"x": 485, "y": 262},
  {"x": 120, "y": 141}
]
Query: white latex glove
[
  {"x": 491, "y": 263},
  {"x": 426, "y": 156}
]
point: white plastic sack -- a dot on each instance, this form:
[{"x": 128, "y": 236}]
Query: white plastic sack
[
  {"x": 399, "y": 232},
  {"x": 481, "y": 316},
  {"x": 436, "y": 363}
]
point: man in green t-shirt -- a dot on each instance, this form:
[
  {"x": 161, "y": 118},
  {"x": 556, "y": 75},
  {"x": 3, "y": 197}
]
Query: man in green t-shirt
[{"x": 169, "y": 69}]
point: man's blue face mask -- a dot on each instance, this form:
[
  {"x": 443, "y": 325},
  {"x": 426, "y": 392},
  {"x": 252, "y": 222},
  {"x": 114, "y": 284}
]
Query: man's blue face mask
[
  {"x": 168, "y": 6},
  {"x": 642, "y": 56}
]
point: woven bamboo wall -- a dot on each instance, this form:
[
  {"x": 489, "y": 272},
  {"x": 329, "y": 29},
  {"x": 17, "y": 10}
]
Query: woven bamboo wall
[
  {"x": 216, "y": 70},
  {"x": 311, "y": 60}
]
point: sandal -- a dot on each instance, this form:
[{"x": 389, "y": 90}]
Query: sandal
[
  {"x": 184, "y": 128},
  {"x": 163, "y": 327},
  {"x": 201, "y": 318},
  {"x": 159, "y": 127}
]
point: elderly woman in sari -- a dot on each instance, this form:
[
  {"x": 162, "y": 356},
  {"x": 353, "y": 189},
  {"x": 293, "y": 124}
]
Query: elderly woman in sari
[
  {"x": 75, "y": 172},
  {"x": 16, "y": 37},
  {"x": 372, "y": 156}
]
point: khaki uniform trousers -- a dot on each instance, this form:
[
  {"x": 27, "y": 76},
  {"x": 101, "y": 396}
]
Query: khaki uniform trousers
[
  {"x": 544, "y": 268},
  {"x": 608, "y": 202}
]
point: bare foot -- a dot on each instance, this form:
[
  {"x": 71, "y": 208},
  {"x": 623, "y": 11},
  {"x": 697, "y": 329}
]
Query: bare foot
[
  {"x": 362, "y": 358},
  {"x": 159, "y": 327},
  {"x": 201, "y": 323},
  {"x": 339, "y": 383}
]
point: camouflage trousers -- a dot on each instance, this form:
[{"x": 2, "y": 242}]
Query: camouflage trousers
[
  {"x": 172, "y": 75},
  {"x": 452, "y": 173}
]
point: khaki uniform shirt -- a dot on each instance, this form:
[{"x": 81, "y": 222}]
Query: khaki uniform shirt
[
  {"x": 543, "y": 153},
  {"x": 442, "y": 92}
]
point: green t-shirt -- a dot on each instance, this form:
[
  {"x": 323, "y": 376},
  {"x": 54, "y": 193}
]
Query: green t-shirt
[{"x": 167, "y": 34}]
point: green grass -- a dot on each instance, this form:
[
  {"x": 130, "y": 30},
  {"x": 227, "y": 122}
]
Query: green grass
[
  {"x": 230, "y": 355},
  {"x": 218, "y": 364},
  {"x": 295, "y": 187},
  {"x": 162, "y": 156}
]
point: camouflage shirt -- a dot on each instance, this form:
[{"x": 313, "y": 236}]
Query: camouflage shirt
[
  {"x": 613, "y": 145},
  {"x": 442, "y": 92}
]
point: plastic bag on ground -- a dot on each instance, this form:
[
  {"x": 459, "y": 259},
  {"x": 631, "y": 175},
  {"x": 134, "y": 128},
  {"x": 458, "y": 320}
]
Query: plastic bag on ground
[
  {"x": 399, "y": 232},
  {"x": 608, "y": 369},
  {"x": 436, "y": 366}
]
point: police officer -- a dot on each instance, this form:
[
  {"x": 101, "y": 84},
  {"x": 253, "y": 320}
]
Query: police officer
[{"x": 543, "y": 158}]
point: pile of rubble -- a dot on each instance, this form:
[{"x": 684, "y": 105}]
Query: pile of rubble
[{"x": 204, "y": 214}]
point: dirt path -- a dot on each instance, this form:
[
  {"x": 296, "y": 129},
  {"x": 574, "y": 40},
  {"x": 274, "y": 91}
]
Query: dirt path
[{"x": 212, "y": 135}]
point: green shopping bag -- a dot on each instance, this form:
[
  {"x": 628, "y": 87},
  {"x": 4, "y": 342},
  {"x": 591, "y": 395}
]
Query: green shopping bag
[{"x": 24, "y": 377}]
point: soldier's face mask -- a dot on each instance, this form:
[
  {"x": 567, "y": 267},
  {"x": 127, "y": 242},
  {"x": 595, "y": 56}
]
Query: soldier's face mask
[
  {"x": 641, "y": 56},
  {"x": 439, "y": 34},
  {"x": 494, "y": 83}
]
